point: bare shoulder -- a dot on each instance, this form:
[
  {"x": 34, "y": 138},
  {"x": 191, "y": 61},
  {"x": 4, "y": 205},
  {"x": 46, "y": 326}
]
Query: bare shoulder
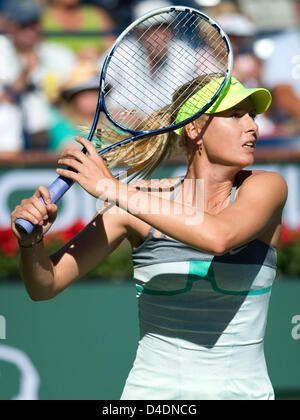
[{"x": 263, "y": 182}]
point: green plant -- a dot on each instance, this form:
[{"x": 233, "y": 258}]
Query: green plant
[{"x": 289, "y": 258}]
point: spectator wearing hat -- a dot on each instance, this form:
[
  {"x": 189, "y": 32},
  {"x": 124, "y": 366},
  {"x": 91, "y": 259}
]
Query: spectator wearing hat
[
  {"x": 32, "y": 70},
  {"x": 150, "y": 53},
  {"x": 75, "y": 107},
  {"x": 282, "y": 75},
  {"x": 241, "y": 31},
  {"x": 247, "y": 66}
]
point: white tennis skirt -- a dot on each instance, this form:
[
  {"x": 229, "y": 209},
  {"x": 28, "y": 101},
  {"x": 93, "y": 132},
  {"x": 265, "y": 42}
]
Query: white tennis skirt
[{"x": 174, "y": 369}]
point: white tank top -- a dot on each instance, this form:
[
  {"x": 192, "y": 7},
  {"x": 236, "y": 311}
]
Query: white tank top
[{"x": 202, "y": 321}]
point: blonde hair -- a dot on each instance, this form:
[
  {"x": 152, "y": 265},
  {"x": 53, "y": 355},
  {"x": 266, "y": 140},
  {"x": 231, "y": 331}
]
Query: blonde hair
[{"x": 142, "y": 157}]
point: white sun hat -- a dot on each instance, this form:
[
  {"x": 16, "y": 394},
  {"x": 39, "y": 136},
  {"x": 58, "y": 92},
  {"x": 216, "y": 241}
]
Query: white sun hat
[
  {"x": 236, "y": 24},
  {"x": 147, "y": 6}
]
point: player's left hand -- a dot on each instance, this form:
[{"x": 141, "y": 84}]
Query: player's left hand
[{"x": 90, "y": 170}]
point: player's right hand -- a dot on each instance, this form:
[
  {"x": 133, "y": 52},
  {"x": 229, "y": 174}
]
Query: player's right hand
[{"x": 35, "y": 211}]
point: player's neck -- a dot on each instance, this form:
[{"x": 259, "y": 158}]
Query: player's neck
[{"x": 217, "y": 183}]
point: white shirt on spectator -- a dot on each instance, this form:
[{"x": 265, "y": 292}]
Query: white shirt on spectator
[
  {"x": 55, "y": 64},
  {"x": 283, "y": 67},
  {"x": 137, "y": 88},
  {"x": 10, "y": 128}
]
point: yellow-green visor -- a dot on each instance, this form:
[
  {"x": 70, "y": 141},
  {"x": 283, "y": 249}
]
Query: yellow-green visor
[{"x": 231, "y": 96}]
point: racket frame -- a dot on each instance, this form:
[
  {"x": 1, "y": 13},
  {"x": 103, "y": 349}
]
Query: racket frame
[{"x": 137, "y": 135}]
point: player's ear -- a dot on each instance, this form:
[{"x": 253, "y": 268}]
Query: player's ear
[
  {"x": 197, "y": 128},
  {"x": 193, "y": 130}
]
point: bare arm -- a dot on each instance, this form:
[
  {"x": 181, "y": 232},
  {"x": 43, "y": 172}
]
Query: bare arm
[
  {"x": 46, "y": 276},
  {"x": 260, "y": 202},
  {"x": 92, "y": 245}
]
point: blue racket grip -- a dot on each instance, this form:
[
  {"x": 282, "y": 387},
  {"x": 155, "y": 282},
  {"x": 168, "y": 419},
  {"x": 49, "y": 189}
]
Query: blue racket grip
[{"x": 56, "y": 190}]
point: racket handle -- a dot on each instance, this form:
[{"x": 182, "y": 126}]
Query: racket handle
[{"x": 56, "y": 190}]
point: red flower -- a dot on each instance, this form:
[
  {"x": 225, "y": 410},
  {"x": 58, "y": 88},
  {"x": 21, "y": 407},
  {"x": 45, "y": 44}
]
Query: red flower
[
  {"x": 68, "y": 234},
  {"x": 8, "y": 242},
  {"x": 286, "y": 234},
  {"x": 289, "y": 235}
]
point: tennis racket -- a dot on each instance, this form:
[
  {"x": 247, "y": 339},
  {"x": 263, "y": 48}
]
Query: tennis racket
[{"x": 163, "y": 51}]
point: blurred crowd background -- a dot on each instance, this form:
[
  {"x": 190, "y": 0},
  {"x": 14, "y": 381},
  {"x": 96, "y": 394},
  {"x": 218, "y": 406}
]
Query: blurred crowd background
[{"x": 51, "y": 53}]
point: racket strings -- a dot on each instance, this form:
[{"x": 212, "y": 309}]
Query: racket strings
[
  {"x": 219, "y": 74},
  {"x": 152, "y": 72},
  {"x": 134, "y": 121},
  {"x": 168, "y": 118},
  {"x": 212, "y": 30},
  {"x": 159, "y": 62},
  {"x": 174, "y": 81}
]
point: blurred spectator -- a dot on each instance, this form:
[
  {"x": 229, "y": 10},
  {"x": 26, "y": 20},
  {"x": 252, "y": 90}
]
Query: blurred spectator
[
  {"x": 71, "y": 15},
  {"x": 241, "y": 31},
  {"x": 247, "y": 66},
  {"x": 282, "y": 75},
  {"x": 31, "y": 70},
  {"x": 11, "y": 139},
  {"x": 2, "y": 20},
  {"x": 75, "y": 107},
  {"x": 222, "y": 8},
  {"x": 119, "y": 9},
  {"x": 151, "y": 51},
  {"x": 269, "y": 15}
]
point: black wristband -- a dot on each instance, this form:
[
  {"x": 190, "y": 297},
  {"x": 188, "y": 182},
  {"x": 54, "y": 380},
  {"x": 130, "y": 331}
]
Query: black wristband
[{"x": 33, "y": 245}]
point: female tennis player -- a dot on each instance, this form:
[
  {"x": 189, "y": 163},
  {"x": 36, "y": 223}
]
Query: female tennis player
[{"x": 204, "y": 268}]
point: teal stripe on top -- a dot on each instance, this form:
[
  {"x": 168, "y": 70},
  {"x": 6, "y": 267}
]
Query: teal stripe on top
[
  {"x": 198, "y": 268},
  {"x": 202, "y": 270}
]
